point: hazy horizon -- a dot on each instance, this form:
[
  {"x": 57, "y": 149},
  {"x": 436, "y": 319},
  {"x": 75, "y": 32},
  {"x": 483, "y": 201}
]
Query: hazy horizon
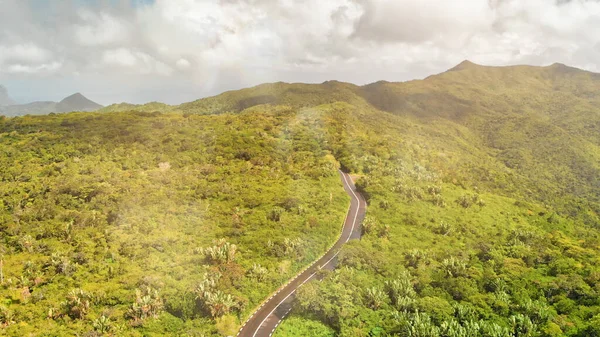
[
  {"x": 174, "y": 52},
  {"x": 253, "y": 85}
]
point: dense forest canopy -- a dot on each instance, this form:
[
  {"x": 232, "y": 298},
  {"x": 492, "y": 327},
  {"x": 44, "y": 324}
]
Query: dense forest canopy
[{"x": 483, "y": 217}]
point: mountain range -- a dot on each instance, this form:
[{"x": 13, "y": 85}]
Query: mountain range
[
  {"x": 75, "y": 102},
  {"x": 4, "y": 97},
  {"x": 483, "y": 209}
]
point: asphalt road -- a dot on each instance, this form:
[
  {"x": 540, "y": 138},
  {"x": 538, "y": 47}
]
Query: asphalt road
[{"x": 266, "y": 319}]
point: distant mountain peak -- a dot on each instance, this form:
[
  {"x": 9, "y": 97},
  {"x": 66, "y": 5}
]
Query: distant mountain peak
[
  {"x": 77, "y": 102},
  {"x": 75, "y": 96},
  {"x": 466, "y": 64},
  {"x": 4, "y": 97},
  {"x": 563, "y": 68}
]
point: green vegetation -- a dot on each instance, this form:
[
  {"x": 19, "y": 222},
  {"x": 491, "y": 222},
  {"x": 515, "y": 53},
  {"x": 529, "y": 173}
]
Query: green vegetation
[
  {"x": 483, "y": 215},
  {"x": 148, "y": 107},
  {"x": 148, "y": 224},
  {"x": 483, "y": 207},
  {"x": 296, "y": 326}
]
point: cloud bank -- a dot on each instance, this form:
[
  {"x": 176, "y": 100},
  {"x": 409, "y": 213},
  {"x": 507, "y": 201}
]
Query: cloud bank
[{"x": 181, "y": 50}]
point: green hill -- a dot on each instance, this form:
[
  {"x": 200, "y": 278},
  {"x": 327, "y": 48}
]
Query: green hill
[
  {"x": 483, "y": 214},
  {"x": 297, "y": 95},
  {"x": 76, "y": 102},
  {"x": 148, "y": 107}
]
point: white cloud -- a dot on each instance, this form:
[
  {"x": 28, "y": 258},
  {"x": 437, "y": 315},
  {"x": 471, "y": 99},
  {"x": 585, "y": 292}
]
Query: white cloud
[
  {"x": 213, "y": 45},
  {"x": 183, "y": 64},
  {"x": 100, "y": 29},
  {"x": 135, "y": 61},
  {"x": 419, "y": 21},
  {"x": 28, "y": 52},
  {"x": 33, "y": 69},
  {"x": 120, "y": 57}
]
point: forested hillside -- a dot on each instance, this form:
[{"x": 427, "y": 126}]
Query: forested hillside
[
  {"x": 153, "y": 224},
  {"x": 483, "y": 189}
]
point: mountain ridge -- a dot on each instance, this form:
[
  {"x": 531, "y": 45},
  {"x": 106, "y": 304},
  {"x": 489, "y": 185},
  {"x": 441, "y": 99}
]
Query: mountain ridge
[
  {"x": 466, "y": 70},
  {"x": 483, "y": 208},
  {"x": 74, "y": 102},
  {"x": 520, "y": 106},
  {"x": 283, "y": 92},
  {"x": 5, "y": 99}
]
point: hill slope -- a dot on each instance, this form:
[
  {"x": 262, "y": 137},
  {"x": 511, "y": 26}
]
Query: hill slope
[
  {"x": 486, "y": 174},
  {"x": 517, "y": 117},
  {"x": 148, "y": 107},
  {"x": 483, "y": 214}
]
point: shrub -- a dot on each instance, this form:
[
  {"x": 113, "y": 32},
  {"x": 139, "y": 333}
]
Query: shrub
[
  {"x": 468, "y": 200},
  {"x": 147, "y": 304},
  {"x": 453, "y": 267},
  {"x": 102, "y": 324},
  {"x": 257, "y": 272},
  {"x": 6, "y": 317},
  {"x": 77, "y": 304},
  {"x": 221, "y": 252},
  {"x": 374, "y": 298}
]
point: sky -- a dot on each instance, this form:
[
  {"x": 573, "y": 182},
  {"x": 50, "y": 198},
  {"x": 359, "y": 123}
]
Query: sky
[{"x": 175, "y": 51}]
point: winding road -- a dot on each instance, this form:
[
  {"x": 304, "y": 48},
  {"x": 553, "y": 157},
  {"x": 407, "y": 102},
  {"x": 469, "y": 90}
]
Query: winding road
[{"x": 266, "y": 319}]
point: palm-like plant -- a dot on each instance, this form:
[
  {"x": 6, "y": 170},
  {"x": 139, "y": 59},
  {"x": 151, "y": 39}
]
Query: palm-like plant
[
  {"x": 219, "y": 303},
  {"x": 276, "y": 213},
  {"x": 434, "y": 189},
  {"x": 6, "y": 317},
  {"x": 401, "y": 288},
  {"x": 384, "y": 231},
  {"x": 26, "y": 243},
  {"x": 77, "y": 303},
  {"x": 62, "y": 264},
  {"x": 502, "y": 297},
  {"x": 454, "y": 329},
  {"x": 443, "y": 228},
  {"x": 522, "y": 326},
  {"x": 291, "y": 246},
  {"x": 494, "y": 330},
  {"x": 464, "y": 313},
  {"x": 405, "y": 303},
  {"x": 368, "y": 225},
  {"x": 374, "y": 298},
  {"x": 499, "y": 285},
  {"x": 538, "y": 311},
  {"x": 206, "y": 286},
  {"x": 421, "y": 325},
  {"x": 221, "y": 252},
  {"x": 438, "y": 200},
  {"x": 102, "y": 324},
  {"x": 466, "y": 329},
  {"x": 147, "y": 304},
  {"x": 414, "y": 257},
  {"x": 454, "y": 267},
  {"x": 257, "y": 272}
]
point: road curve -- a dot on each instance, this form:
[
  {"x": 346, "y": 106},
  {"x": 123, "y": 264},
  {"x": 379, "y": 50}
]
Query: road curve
[{"x": 266, "y": 319}]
